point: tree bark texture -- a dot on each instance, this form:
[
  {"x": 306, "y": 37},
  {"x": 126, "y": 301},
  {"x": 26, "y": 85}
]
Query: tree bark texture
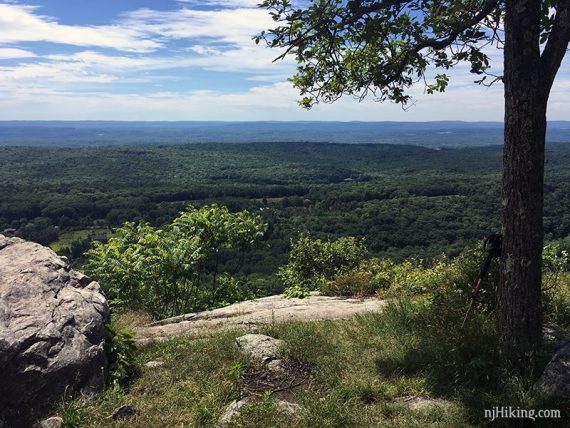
[{"x": 526, "y": 95}]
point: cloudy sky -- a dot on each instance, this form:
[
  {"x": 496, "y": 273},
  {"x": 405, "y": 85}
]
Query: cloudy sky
[{"x": 185, "y": 60}]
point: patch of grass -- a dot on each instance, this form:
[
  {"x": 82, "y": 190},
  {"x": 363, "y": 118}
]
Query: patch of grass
[
  {"x": 130, "y": 319},
  {"x": 190, "y": 389},
  {"x": 357, "y": 367},
  {"x": 66, "y": 238},
  {"x": 261, "y": 412},
  {"x": 73, "y": 412}
]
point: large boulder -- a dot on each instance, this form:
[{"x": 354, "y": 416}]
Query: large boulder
[
  {"x": 554, "y": 383},
  {"x": 52, "y": 329}
]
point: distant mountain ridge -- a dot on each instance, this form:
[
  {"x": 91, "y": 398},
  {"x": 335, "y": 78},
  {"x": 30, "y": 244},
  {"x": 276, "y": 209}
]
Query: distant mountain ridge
[{"x": 106, "y": 133}]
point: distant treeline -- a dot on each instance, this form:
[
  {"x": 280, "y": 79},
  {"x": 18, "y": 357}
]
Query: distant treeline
[{"x": 108, "y": 133}]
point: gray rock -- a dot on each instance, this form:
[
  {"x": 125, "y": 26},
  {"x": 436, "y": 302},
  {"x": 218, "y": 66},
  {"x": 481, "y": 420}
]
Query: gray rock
[
  {"x": 275, "y": 366},
  {"x": 259, "y": 347},
  {"x": 232, "y": 410},
  {"x": 51, "y": 328},
  {"x": 154, "y": 364},
  {"x": 291, "y": 409},
  {"x": 121, "y": 412},
  {"x": 53, "y": 422},
  {"x": 554, "y": 383},
  {"x": 419, "y": 403},
  {"x": 235, "y": 408}
]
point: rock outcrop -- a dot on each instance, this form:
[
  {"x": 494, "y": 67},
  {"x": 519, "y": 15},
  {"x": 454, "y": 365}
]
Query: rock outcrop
[
  {"x": 52, "y": 329},
  {"x": 554, "y": 383},
  {"x": 252, "y": 313}
]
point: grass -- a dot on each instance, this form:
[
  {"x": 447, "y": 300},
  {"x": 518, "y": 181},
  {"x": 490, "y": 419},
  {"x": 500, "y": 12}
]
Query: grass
[
  {"x": 130, "y": 319},
  {"x": 357, "y": 368},
  {"x": 66, "y": 238}
]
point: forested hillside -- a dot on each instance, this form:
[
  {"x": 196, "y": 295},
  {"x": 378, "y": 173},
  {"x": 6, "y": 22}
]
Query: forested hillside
[{"x": 405, "y": 200}]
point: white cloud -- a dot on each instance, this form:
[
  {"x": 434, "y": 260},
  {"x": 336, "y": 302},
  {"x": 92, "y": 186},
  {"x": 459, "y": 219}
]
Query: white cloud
[
  {"x": 230, "y": 25},
  {"x": 268, "y": 102},
  {"x": 216, "y": 40},
  {"x": 264, "y": 102},
  {"x": 94, "y": 67},
  {"x": 13, "y": 53},
  {"x": 21, "y": 24},
  {"x": 47, "y": 74},
  {"x": 75, "y": 86},
  {"x": 222, "y": 3}
]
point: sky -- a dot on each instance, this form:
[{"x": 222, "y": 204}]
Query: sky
[{"x": 188, "y": 60}]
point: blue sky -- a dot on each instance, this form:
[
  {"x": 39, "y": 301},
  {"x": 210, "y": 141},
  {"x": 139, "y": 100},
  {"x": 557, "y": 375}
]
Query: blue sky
[{"x": 186, "y": 60}]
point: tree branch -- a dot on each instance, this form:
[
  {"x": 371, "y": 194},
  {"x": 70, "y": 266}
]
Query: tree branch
[
  {"x": 486, "y": 9},
  {"x": 360, "y": 11},
  {"x": 557, "y": 43}
]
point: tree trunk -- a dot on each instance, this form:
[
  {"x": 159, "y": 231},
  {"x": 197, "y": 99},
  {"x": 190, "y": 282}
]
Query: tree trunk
[{"x": 519, "y": 305}]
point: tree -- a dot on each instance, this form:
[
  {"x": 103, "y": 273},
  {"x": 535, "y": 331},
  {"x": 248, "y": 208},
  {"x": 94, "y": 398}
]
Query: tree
[{"x": 380, "y": 48}]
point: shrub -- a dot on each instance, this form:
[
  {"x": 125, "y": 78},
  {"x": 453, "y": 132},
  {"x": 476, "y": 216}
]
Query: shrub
[
  {"x": 358, "y": 283},
  {"x": 313, "y": 262},
  {"x": 174, "y": 270},
  {"x": 557, "y": 302}
]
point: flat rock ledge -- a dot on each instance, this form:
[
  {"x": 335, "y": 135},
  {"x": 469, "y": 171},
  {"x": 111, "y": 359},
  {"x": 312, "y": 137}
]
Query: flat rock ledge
[
  {"x": 52, "y": 329},
  {"x": 251, "y": 313}
]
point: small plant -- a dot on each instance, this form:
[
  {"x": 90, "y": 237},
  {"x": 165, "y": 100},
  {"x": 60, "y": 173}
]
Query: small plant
[
  {"x": 296, "y": 291},
  {"x": 237, "y": 372},
  {"x": 556, "y": 285},
  {"x": 121, "y": 353},
  {"x": 72, "y": 412},
  {"x": 554, "y": 264}
]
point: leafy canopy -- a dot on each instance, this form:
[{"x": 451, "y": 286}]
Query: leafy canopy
[{"x": 382, "y": 47}]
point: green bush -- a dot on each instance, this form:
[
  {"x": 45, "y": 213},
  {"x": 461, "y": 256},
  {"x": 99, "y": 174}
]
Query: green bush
[
  {"x": 340, "y": 268},
  {"x": 358, "y": 283},
  {"x": 313, "y": 262},
  {"x": 174, "y": 270}
]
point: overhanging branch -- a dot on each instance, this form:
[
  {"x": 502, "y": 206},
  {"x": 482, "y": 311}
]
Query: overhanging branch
[{"x": 557, "y": 43}]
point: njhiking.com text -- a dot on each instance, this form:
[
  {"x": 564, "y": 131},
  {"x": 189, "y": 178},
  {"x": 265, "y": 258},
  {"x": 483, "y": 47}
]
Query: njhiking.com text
[{"x": 510, "y": 412}]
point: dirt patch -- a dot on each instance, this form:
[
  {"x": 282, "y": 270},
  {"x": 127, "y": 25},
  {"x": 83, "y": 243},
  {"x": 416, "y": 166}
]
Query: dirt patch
[{"x": 284, "y": 384}]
